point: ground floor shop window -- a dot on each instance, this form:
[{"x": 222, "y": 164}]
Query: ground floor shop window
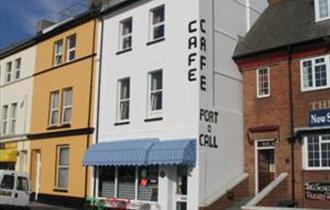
[
  {"x": 134, "y": 183},
  {"x": 317, "y": 151}
]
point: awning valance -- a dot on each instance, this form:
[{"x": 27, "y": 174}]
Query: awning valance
[
  {"x": 119, "y": 153},
  {"x": 173, "y": 152},
  {"x": 142, "y": 152}
]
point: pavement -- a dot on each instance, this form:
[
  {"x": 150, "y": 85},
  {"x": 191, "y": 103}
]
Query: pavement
[{"x": 40, "y": 206}]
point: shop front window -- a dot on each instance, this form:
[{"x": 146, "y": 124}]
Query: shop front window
[
  {"x": 317, "y": 151},
  {"x": 148, "y": 184},
  {"x": 126, "y": 182},
  {"x": 107, "y": 182}
]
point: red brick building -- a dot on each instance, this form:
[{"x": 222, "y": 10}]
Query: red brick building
[{"x": 285, "y": 63}]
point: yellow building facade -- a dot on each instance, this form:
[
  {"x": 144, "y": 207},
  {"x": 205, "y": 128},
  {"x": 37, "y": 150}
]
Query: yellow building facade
[{"x": 62, "y": 104}]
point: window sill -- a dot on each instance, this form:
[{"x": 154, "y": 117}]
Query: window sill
[
  {"x": 53, "y": 127},
  {"x": 314, "y": 89},
  {"x": 155, "y": 41},
  {"x": 316, "y": 169},
  {"x": 263, "y": 97},
  {"x": 123, "y": 51},
  {"x": 153, "y": 119},
  {"x": 60, "y": 190},
  {"x": 121, "y": 123}
]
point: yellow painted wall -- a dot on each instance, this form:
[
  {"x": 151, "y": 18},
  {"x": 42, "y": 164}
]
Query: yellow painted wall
[
  {"x": 76, "y": 74},
  {"x": 76, "y": 179}
]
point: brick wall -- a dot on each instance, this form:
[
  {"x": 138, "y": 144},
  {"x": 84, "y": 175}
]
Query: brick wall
[
  {"x": 278, "y": 194},
  {"x": 238, "y": 192}
]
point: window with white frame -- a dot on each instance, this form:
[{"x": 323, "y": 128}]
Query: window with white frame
[
  {"x": 8, "y": 76},
  {"x": 4, "y": 117},
  {"x": 315, "y": 73},
  {"x": 124, "y": 99},
  {"x": 129, "y": 182},
  {"x": 155, "y": 91},
  {"x": 71, "y": 47},
  {"x": 322, "y": 10},
  {"x": 157, "y": 30},
  {"x": 54, "y": 108},
  {"x": 317, "y": 151},
  {"x": 67, "y": 106},
  {"x": 126, "y": 27},
  {"x": 13, "y": 116},
  {"x": 263, "y": 82},
  {"x": 62, "y": 167},
  {"x": 58, "y": 48},
  {"x": 18, "y": 62}
]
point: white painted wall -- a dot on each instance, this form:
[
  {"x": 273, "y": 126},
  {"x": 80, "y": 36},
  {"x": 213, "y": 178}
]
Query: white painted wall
[{"x": 20, "y": 92}]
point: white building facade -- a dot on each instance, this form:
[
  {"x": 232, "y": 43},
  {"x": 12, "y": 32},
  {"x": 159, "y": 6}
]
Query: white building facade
[
  {"x": 16, "y": 84},
  {"x": 169, "y": 88}
]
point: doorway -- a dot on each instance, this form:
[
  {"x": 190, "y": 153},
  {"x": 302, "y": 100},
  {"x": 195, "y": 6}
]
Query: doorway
[
  {"x": 265, "y": 163},
  {"x": 35, "y": 172},
  {"x": 181, "y": 188}
]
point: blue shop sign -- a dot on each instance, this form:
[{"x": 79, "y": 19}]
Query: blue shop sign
[{"x": 318, "y": 118}]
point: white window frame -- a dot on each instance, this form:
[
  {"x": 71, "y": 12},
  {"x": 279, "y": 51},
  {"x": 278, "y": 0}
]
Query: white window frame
[
  {"x": 4, "y": 119},
  {"x": 58, "y": 54},
  {"x": 9, "y": 72},
  {"x": 13, "y": 118},
  {"x": 120, "y": 100},
  {"x": 122, "y": 36},
  {"x": 53, "y": 109},
  {"x": 58, "y": 166},
  {"x": 305, "y": 154},
  {"x": 65, "y": 107},
  {"x": 259, "y": 95},
  {"x": 327, "y": 63},
  {"x": 317, "y": 11},
  {"x": 73, "y": 49},
  {"x": 154, "y": 113},
  {"x": 17, "y": 69},
  {"x": 153, "y": 26}
]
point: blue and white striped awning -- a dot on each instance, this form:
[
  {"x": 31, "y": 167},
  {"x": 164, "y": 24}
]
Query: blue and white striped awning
[
  {"x": 119, "y": 153},
  {"x": 173, "y": 152},
  {"x": 142, "y": 152}
]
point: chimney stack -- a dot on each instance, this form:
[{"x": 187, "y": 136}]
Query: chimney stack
[
  {"x": 43, "y": 23},
  {"x": 272, "y": 2},
  {"x": 97, "y": 3}
]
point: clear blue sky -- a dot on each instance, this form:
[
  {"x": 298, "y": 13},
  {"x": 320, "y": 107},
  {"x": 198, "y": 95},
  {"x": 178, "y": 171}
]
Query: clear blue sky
[{"x": 18, "y": 17}]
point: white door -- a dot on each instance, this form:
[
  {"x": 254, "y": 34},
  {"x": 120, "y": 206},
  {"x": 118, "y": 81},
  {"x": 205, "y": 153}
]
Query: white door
[
  {"x": 22, "y": 194},
  {"x": 181, "y": 188},
  {"x": 7, "y": 185}
]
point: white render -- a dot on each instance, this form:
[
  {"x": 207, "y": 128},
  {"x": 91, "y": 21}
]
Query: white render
[
  {"x": 183, "y": 100},
  {"x": 19, "y": 91}
]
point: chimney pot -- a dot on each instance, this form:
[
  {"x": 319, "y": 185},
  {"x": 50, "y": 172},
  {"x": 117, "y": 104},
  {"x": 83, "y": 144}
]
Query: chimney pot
[{"x": 43, "y": 23}]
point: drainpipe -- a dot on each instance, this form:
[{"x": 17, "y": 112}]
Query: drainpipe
[
  {"x": 98, "y": 101},
  {"x": 292, "y": 136}
]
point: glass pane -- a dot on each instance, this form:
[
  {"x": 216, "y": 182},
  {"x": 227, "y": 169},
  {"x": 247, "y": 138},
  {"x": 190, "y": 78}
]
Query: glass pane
[
  {"x": 307, "y": 74},
  {"x": 22, "y": 184},
  {"x": 72, "y": 55},
  {"x": 13, "y": 126},
  {"x": 59, "y": 47},
  {"x": 54, "y": 117},
  {"x": 148, "y": 183},
  {"x": 159, "y": 31},
  {"x": 320, "y": 75},
  {"x": 181, "y": 206},
  {"x": 13, "y": 110},
  {"x": 127, "y": 42},
  {"x": 156, "y": 80},
  {"x": 107, "y": 182},
  {"x": 67, "y": 115},
  {"x": 313, "y": 151},
  {"x": 127, "y": 27},
  {"x": 4, "y": 112},
  {"x": 182, "y": 180},
  {"x": 67, "y": 97},
  {"x": 18, "y": 63},
  {"x": 124, "y": 110},
  {"x": 158, "y": 15},
  {"x": 126, "y": 182},
  {"x": 124, "y": 89},
  {"x": 325, "y": 154},
  {"x": 7, "y": 182},
  {"x": 4, "y": 127},
  {"x": 64, "y": 156},
  {"x": 156, "y": 101},
  {"x": 72, "y": 41},
  {"x": 324, "y": 8},
  {"x": 63, "y": 177},
  {"x": 55, "y": 100}
]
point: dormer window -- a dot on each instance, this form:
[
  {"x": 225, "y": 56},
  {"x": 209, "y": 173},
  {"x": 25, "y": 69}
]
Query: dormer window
[{"x": 322, "y": 10}]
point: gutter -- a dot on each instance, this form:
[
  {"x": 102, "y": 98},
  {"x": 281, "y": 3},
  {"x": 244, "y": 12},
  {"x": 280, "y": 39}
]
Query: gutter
[{"x": 98, "y": 100}]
